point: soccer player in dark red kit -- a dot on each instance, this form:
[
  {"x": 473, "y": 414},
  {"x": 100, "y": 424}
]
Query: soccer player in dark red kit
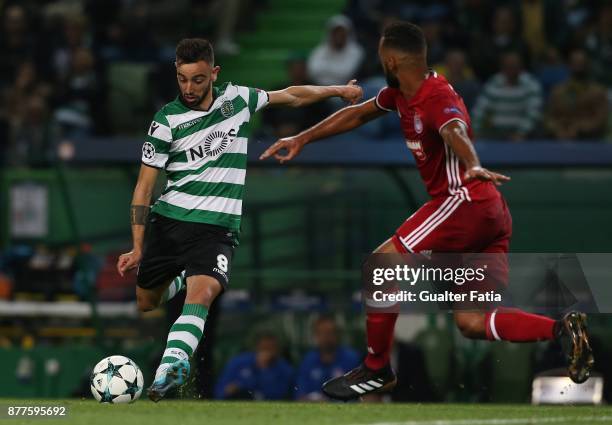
[{"x": 466, "y": 213}]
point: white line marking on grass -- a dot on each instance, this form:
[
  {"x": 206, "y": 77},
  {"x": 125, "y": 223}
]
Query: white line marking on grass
[{"x": 496, "y": 421}]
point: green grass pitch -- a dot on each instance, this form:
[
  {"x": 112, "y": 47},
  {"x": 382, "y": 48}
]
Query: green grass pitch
[{"x": 265, "y": 413}]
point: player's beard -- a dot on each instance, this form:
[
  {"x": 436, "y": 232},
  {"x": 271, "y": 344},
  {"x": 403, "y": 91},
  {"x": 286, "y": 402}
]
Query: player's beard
[
  {"x": 392, "y": 80},
  {"x": 198, "y": 100}
]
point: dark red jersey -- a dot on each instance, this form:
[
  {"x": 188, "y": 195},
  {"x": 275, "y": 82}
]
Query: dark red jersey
[{"x": 422, "y": 117}]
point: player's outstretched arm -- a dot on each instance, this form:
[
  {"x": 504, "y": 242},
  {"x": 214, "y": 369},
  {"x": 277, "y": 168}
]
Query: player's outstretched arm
[
  {"x": 342, "y": 121},
  {"x": 139, "y": 211},
  {"x": 456, "y": 137},
  {"x": 298, "y": 96}
]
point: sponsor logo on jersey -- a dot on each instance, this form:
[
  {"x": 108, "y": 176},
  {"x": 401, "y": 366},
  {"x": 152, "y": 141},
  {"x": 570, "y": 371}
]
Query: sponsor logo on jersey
[
  {"x": 453, "y": 110},
  {"x": 418, "y": 124},
  {"x": 417, "y": 149},
  {"x": 227, "y": 108},
  {"x": 148, "y": 150},
  {"x": 214, "y": 144},
  {"x": 189, "y": 123},
  {"x": 154, "y": 126}
]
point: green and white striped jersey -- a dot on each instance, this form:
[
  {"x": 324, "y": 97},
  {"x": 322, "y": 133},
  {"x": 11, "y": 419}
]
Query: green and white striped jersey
[{"x": 204, "y": 154}]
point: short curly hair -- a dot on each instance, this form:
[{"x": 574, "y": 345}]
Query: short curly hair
[
  {"x": 404, "y": 36},
  {"x": 192, "y": 50}
]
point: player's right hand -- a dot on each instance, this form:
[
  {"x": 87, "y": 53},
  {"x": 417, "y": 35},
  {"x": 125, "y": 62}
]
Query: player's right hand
[
  {"x": 292, "y": 146},
  {"x": 479, "y": 173},
  {"x": 128, "y": 261}
]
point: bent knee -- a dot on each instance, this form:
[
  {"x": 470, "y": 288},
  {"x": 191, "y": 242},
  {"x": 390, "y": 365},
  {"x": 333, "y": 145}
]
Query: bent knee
[
  {"x": 203, "y": 289},
  {"x": 145, "y": 303}
]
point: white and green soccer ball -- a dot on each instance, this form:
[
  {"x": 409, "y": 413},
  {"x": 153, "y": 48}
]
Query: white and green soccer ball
[{"x": 116, "y": 379}]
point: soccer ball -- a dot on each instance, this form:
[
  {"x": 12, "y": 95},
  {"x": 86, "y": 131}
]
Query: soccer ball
[{"x": 116, "y": 379}]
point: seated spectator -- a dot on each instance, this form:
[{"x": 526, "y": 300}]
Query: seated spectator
[
  {"x": 510, "y": 105},
  {"x": 77, "y": 96},
  {"x": 283, "y": 122},
  {"x": 504, "y": 37},
  {"x": 328, "y": 360},
  {"x": 259, "y": 375},
  {"x": 578, "y": 108},
  {"x": 74, "y": 38},
  {"x": 24, "y": 112},
  {"x": 461, "y": 77},
  {"x": 551, "y": 71},
  {"x": 543, "y": 24},
  {"x": 338, "y": 58}
]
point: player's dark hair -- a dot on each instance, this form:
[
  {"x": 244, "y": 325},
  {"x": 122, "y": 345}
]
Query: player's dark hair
[
  {"x": 405, "y": 37},
  {"x": 192, "y": 50}
]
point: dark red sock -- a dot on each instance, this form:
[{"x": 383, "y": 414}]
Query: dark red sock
[
  {"x": 379, "y": 328},
  {"x": 512, "y": 324}
]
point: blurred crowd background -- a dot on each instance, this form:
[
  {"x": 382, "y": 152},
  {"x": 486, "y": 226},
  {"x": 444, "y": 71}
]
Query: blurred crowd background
[
  {"x": 79, "y": 83},
  {"x": 525, "y": 68}
]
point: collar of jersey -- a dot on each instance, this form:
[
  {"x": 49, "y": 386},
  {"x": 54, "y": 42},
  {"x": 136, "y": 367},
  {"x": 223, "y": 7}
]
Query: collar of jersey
[{"x": 430, "y": 74}]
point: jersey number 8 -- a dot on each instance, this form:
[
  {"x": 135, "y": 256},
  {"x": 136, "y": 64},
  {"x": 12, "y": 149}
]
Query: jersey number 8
[{"x": 222, "y": 262}]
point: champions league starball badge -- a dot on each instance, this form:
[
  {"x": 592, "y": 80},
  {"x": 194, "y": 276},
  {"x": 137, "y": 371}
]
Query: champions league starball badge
[{"x": 148, "y": 150}]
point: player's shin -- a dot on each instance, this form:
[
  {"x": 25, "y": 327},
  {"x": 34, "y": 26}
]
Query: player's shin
[
  {"x": 379, "y": 329},
  {"x": 512, "y": 324},
  {"x": 184, "y": 337}
]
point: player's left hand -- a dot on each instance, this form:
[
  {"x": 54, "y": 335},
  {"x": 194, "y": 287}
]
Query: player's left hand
[
  {"x": 351, "y": 93},
  {"x": 128, "y": 261},
  {"x": 479, "y": 173},
  {"x": 284, "y": 149}
]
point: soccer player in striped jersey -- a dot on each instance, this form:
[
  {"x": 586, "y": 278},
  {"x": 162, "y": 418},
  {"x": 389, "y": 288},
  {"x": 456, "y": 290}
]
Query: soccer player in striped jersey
[
  {"x": 466, "y": 213},
  {"x": 199, "y": 141}
]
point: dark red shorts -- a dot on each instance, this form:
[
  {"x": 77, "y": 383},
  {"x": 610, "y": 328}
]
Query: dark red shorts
[{"x": 454, "y": 225}]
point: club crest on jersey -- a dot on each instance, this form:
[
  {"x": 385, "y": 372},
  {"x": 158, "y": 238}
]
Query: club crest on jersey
[
  {"x": 417, "y": 149},
  {"x": 418, "y": 124},
  {"x": 227, "y": 108}
]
